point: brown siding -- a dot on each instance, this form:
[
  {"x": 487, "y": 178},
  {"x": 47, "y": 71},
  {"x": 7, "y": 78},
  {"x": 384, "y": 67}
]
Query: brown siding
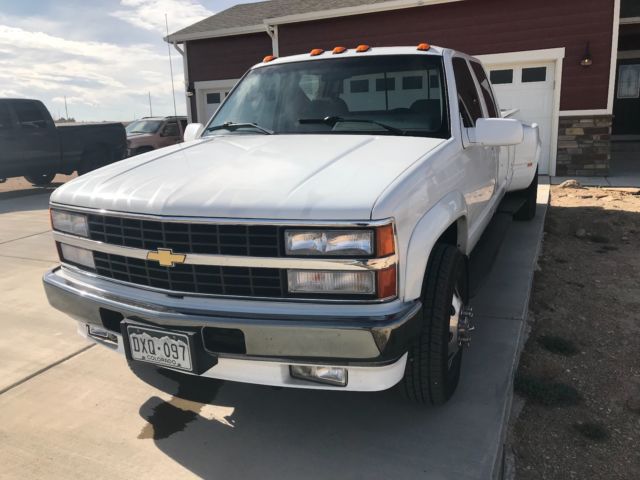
[
  {"x": 226, "y": 57},
  {"x": 484, "y": 26}
]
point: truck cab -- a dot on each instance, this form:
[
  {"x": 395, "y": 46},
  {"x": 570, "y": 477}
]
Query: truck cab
[{"x": 315, "y": 233}]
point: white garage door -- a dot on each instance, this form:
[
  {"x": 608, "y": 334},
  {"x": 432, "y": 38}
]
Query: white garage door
[{"x": 528, "y": 87}]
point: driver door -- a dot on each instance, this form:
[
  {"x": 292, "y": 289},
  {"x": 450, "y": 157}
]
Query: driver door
[{"x": 480, "y": 162}]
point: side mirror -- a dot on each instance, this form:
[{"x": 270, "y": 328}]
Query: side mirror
[
  {"x": 193, "y": 131},
  {"x": 496, "y": 132}
]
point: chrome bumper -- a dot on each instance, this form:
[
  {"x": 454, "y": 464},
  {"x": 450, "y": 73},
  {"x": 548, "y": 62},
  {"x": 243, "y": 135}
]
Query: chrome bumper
[{"x": 375, "y": 340}]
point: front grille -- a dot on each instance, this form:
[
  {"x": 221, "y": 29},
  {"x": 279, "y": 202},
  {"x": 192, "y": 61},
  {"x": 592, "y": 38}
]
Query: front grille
[
  {"x": 201, "y": 279},
  {"x": 245, "y": 240}
]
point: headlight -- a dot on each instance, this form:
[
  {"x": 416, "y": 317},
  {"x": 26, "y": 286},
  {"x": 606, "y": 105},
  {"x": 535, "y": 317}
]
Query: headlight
[
  {"x": 74, "y": 223},
  {"x": 329, "y": 242},
  {"x": 313, "y": 281},
  {"x": 79, "y": 256}
]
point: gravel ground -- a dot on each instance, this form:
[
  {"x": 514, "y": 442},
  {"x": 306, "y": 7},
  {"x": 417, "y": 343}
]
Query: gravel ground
[{"x": 585, "y": 308}]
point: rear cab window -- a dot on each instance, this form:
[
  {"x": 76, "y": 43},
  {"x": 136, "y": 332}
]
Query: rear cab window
[
  {"x": 485, "y": 88},
  {"x": 6, "y": 121},
  {"x": 30, "y": 115},
  {"x": 468, "y": 97}
]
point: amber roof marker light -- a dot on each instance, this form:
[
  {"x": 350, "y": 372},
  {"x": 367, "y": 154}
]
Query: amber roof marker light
[
  {"x": 339, "y": 49},
  {"x": 423, "y": 47},
  {"x": 316, "y": 52},
  {"x": 269, "y": 58},
  {"x": 363, "y": 48}
]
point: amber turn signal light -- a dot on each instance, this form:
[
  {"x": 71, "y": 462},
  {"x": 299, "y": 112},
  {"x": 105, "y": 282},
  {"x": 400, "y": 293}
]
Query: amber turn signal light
[
  {"x": 423, "y": 47},
  {"x": 363, "y": 48},
  {"x": 385, "y": 243},
  {"x": 268, "y": 58},
  {"x": 339, "y": 49},
  {"x": 316, "y": 51},
  {"x": 387, "y": 282}
]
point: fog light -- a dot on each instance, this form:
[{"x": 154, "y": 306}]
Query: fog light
[
  {"x": 79, "y": 256},
  {"x": 329, "y": 375},
  {"x": 314, "y": 281}
]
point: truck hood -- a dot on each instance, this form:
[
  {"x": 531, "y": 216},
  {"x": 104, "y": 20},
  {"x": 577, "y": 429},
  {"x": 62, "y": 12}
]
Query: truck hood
[{"x": 298, "y": 177}]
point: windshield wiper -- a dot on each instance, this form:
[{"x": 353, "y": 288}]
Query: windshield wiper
[
  {"x": 232, "y": 126},
  {"x": 333, "y": 120}
]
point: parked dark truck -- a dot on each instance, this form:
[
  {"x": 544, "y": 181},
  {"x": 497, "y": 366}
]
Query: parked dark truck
[{"x": 34, "y": 147}]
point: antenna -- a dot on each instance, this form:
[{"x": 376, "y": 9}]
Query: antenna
[{"x": 173, "y": 91}]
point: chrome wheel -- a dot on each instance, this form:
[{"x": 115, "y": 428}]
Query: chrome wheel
[{"x": 460, "y": 327}]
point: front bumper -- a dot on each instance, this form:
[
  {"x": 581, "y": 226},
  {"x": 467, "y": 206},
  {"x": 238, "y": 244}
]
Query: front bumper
[{"x": 372, "y": 341}]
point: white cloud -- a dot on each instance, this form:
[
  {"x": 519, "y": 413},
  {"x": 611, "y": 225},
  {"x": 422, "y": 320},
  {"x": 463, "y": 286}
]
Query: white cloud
[
  {"x": 47, "y": 58},
  {"x": 107, "y": 77},
  {"x": 149, "y": 14}
]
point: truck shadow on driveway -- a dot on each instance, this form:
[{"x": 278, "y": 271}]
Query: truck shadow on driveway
[{"x": 230, "y": 430}]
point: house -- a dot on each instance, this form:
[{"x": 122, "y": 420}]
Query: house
[{"x": 556, "y": 62}]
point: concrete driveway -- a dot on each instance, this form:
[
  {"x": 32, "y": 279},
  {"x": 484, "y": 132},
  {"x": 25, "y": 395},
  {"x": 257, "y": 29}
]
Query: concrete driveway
[{"x": 68, "y": 411}]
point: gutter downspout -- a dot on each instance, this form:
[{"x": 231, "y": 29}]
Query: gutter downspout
[
  {"x": 186, "y": 77},
  {"x": 272, "y": 31}
]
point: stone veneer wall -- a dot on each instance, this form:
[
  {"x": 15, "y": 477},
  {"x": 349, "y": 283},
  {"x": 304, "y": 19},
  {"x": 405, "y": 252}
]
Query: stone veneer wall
[{"x": 584, "y": 145}]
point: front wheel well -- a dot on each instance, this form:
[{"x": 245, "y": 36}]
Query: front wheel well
[{"x": 452, "y": 236}]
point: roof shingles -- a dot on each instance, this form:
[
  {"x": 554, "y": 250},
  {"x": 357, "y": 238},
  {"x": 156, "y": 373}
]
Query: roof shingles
[{"x": 250, "y": 14}]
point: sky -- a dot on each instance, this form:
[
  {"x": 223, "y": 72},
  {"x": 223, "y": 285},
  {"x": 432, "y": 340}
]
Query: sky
[{"x": 105, "y": 56}]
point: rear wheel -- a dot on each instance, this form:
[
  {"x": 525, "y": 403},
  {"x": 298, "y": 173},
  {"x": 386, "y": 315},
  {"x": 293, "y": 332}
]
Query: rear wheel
[
  {"x": 40, "y": 179},
  {"x": 528, "y": 209},
  {"x": 93, "y": 159},
  {"x": 433, "y": 365}
]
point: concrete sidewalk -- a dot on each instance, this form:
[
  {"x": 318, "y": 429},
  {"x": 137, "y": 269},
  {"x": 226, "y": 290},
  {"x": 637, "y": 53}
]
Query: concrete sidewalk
[{"x": 90, "y": 417}]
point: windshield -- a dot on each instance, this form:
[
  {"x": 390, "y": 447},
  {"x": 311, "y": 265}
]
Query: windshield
[
  {"x": 385, "y": 95},
  {"x": 144, "y": 126}
]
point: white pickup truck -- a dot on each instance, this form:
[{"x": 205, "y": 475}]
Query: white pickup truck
[{"x": 314, "y": 234}]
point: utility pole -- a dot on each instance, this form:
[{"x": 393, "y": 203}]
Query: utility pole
[
  {"x": 173, "y": 91},
  {"x": 150, "y": 109},
  {"x": 66, "y": 110}
]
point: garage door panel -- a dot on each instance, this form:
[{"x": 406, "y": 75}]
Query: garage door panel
[{"x": 529, "y": 88}]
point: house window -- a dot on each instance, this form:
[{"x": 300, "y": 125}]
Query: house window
[
  {"x": 412, "y": 83},
  {"x": 501, "y": 76},
  {"x": 535, "y": 74},
  {"x": 213, "y": 97},
  {"x": 359, "y": 86},
  {"x": 628, "y": 81},
  {"x": 383, "y": 84}
]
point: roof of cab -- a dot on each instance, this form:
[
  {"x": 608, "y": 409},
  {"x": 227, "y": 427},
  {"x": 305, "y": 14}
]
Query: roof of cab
[{"x": 351, "y": 52}]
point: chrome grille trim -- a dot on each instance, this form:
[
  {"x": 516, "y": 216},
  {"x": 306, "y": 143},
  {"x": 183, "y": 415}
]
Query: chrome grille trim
[{"x": 233, "y": 260}]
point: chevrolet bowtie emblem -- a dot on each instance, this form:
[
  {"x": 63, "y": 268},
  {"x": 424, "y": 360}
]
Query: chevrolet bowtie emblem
[{"x": 166, "y": 257}]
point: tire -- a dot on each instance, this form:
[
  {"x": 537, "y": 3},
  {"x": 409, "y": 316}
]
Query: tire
[
  {"x": 40, "y": 179},
  {"x": 92, "y": 160},
  {"x": 528, "y": 209},
  {"x": 433, "y": 364}
]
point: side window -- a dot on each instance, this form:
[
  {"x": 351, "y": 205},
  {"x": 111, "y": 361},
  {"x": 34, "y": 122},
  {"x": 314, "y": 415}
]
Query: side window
[
  {"x": 485, "y": 86},
  {"x": 468, "y": 98},
  {"x": 5, "y": 117},
  {"x": 171, "y": 129},
  {"x": 29, "y": 115}
]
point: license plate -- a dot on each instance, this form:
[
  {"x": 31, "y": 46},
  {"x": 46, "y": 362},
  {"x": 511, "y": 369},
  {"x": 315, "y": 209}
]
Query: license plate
[{"x": 160, "y": 347}]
